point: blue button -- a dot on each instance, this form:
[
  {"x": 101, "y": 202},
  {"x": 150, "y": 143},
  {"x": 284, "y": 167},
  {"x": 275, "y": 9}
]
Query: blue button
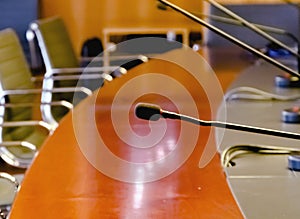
[
  {"x": 291, "y": 115},
  {"x": 286, "y": 81},
  {"x": 294, "y": 162}
]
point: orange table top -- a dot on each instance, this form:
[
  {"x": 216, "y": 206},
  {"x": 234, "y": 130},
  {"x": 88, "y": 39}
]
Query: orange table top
[{"x": 103, "y": 162}]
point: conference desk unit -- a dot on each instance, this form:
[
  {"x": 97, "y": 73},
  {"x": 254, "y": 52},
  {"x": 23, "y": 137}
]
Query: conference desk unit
[
  {"x": 262, "y": 181},
  {"x": 94, "y": 165}
]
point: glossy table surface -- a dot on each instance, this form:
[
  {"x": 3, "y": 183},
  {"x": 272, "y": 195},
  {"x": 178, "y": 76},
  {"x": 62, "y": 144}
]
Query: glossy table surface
[
  {"x": 262, "y": 182},
  {"x": 103, "y": 162}
]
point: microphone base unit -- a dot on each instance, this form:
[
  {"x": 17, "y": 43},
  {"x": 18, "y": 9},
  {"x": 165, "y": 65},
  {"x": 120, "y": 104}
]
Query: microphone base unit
[
  {"x": 291, "y": 115},
  {"x": 287, "y": 81},
  {"x": 294, "y": 162},
  {"x": 276, "y": 51}
]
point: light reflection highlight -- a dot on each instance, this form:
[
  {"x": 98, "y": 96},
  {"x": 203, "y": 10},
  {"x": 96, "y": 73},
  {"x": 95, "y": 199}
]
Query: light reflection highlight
[{"x": 138, "y": 195}]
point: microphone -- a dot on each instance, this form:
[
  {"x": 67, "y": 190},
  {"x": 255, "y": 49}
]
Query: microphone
[
  {"x": 272, "y": 49},
  {"x": 252, "y": 27},
  {"x": 257, "y": 30},
  {"x": 239, "y": 23},
  {"x": 161, "y": 6},
  {"x": 231, "y": 21},
  {"x": 153, "y": 112},
  {"x": 231, "y": 38},
  {"x": 266, "y": 28}
]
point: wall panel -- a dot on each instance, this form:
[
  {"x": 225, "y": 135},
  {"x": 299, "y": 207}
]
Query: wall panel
[{"x": 87, "y": 18}]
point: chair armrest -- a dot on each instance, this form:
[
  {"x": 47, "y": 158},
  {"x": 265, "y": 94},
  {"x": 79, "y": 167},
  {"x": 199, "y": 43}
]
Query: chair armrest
[
  {"x": 64, "y": 103},
  {"x": 11, "y": 179},
  {"x": 84, "y": 90},
  {"x": 54, "y": 103},
  {"x": 115, "y": 58},
  {"x": 76, "y": 77},
  {"x": 21, "y": 92},
  {"x": 83, "y": 76},
  {"x": 86, "y": 70},
  {"x": 25, "y": 144},
  {"x": 43, "y": 124},
  {"x": 15, "y": 105}
]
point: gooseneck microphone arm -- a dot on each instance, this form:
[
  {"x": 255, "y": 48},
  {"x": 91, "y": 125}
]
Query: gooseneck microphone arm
[
  {"x": 231, "y": 21},
  {"x": 153, "y": 112},
  {"x": 257, "y": 30},
  {"x": 230, "y": 38},
  {"x": 252, "y": 26},
  {"x": 259, "y": 27}
]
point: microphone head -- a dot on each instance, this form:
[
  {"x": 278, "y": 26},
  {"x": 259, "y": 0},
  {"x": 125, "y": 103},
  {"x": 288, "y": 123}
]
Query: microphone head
[
  {"x": 148, "y": 111},
  {"x": 161, "y": 6}
]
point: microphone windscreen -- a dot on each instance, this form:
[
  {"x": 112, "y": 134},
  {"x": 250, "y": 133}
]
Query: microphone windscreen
[
  {"x": 161, "y": 6},
  {"x": 148, "y": 111},
  {"x": 131, "y": 64}
]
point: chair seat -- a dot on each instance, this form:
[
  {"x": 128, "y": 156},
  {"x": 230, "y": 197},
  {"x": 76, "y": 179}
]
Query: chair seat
[{"x": 34, "y": 135}]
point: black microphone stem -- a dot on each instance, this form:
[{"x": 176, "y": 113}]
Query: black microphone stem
[
  {"x": 232, "y": 126},
  {"x": 239, "y": 23},
  {"x": 251, "y": 26},
  {"x": 261, "y": 27},
  {"x": 231, "y": 21},
  {"x": 230, "y": 38}
]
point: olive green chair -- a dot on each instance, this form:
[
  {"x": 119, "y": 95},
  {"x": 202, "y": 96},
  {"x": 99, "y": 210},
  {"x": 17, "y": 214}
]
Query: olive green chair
[
  {"x": 20, "y": 133},
  {"x": 9, "y": 187},
  {"x": 24, "y": 107},
  {"x": 58, "y": 54},
  {"x": 61, "y": 62}
]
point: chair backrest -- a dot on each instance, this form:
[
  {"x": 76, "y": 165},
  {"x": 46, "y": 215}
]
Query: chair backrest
[
  {"x": 92, "y": 47},
  {"x": 57, "y": 52},
  {"x": 54, "y": 42},
  {"x": 15, "y": 74},
  {"x": 56, "y": 49}
]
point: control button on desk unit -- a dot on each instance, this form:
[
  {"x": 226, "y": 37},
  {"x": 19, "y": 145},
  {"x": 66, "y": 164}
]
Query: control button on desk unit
[
  {"x": 286, "y": 81},
  {"x": 294, "y": 162},
  {"x": 291, "y": 115}
]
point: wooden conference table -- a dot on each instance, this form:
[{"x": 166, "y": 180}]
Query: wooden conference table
[{"x": 95, "y": 165}]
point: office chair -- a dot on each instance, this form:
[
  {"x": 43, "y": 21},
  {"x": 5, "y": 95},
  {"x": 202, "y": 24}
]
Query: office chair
[
  {"x": 93, "y": 51},
  {"x": 22, "y": 131},
  {"x": 57, "y": 51},
  {"x": 59, "y": 56},
  {"x": 9, "y": 186},
  {"x": 61, "y": 62}
]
